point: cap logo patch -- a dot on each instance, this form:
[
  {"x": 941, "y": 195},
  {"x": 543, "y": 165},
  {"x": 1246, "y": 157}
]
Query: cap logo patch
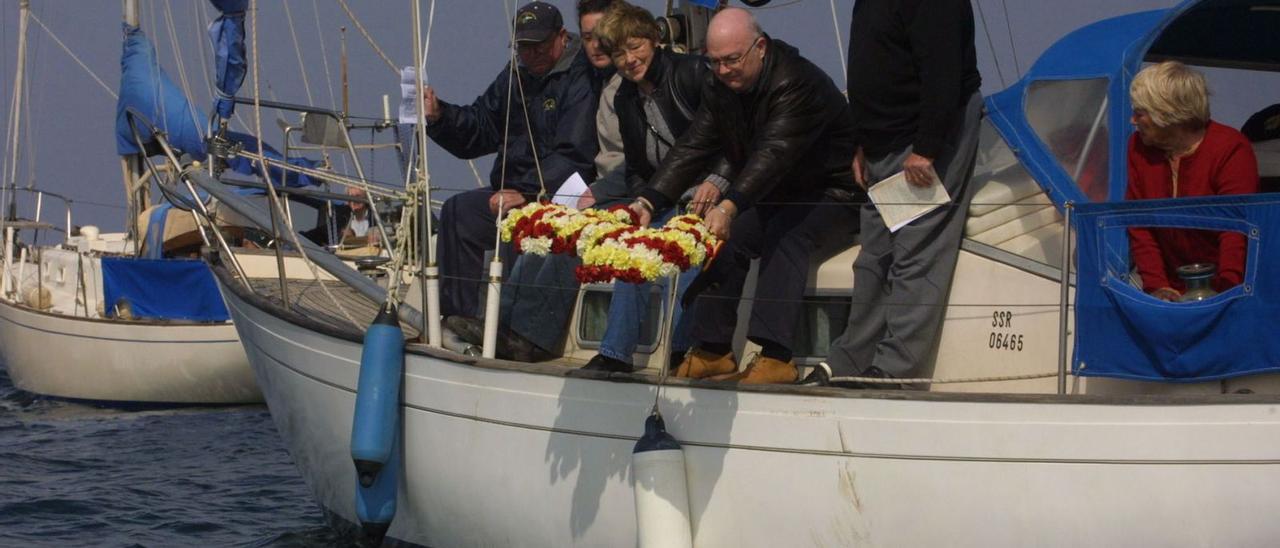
[
  {"x": 549, "y": 104},
  {"x": 527, "y": 18}
]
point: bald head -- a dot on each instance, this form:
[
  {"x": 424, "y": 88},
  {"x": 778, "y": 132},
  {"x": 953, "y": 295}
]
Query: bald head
[
  {"x": 733, "y": 27},
  {"x": 736, "y": 48}
]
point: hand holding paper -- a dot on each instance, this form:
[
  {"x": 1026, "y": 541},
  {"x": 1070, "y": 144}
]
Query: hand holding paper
[
  {"x": 573, "y": 188},
  {"x": 900, "y": 202}
]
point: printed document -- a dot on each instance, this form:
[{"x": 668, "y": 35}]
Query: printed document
[
  {"x": 573, "y": 188},
  {"x": 409, "y": 96},
  {"x": 900, "y": 202}
]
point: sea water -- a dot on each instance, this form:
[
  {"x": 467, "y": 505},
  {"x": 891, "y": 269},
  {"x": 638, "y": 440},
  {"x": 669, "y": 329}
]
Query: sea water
[{"x": 73, "y": 474}]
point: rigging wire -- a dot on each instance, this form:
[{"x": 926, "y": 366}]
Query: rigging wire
[
  {"x": 206, "y": 51},
  {"x": 995, "y": 57},
  {"x": 302, "y": 68},
  {"x": 367, "y": 37},
  {"x": 840, "y": 51},
  {"x": 324, "y": 55},
  {"x": 265, "y": 171},
  {"x": 181, "y": 66},
  {"x": 328, "y": 80},
  {"x": 1012, "y": 47},
  {"x": 74, "y": 57},
  {"x": 28, "y": 142},
  {"x": 506, "y": 122}
]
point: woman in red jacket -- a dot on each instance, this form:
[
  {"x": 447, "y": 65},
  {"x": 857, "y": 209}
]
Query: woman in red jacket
[{"x": 1178, "y": 151}]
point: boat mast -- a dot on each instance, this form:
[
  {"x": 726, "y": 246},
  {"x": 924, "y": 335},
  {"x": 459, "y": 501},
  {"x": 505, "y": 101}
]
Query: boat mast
[
  {"x": 136, "y": 196},
  {"x": 15, "y": 120}
]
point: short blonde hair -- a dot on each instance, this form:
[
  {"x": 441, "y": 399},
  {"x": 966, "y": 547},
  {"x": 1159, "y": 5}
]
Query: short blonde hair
[
  {"x": 623, "y": 22},
  {"x": 1172, "y": 94}
]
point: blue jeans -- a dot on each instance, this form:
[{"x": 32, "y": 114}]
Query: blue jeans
[{"x": 629, "y": 309}]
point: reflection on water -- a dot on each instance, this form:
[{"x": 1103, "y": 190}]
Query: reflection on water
[{"x": 73, "y": 474}]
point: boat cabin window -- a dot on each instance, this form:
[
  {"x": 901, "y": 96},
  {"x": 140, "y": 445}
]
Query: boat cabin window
[
  {"x": 594, "y": 314},
  {"x": 822, "y": 319},
  {"x": 1070, "y": 118}
]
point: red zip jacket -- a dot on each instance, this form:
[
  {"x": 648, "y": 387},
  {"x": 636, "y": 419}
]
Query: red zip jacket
[{"x": 1224, "y": 163}]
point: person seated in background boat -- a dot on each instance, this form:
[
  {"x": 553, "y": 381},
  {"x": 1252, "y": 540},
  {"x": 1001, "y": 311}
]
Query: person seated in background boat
[
  {"x": 785, "y": 133},
  {"x": 539, "y": 294},
  {"x": 1263, "y": 130},
  {"x": 557, "y": 85},
  {"x": 655, "y": 104},
  {"x": 360, "y": 230},
  {"x": 1176, "y": 151}
]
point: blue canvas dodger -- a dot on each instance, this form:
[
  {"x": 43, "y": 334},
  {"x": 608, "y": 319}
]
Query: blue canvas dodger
[
  {"x": 163, "y": 289},
  {"x": 1124, "y": 333}
]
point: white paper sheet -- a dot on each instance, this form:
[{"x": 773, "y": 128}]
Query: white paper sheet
[
  {"x": 408, "y": 96},
  {"x": 900, "y": 202},
  {"x": 573, "y": 188}
]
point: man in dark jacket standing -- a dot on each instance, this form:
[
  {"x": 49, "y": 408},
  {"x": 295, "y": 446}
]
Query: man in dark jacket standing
[
  {"x": 555, "y": 83},
  {"x": 786, "y": 133},
  {"x": 913, "y": 85}
]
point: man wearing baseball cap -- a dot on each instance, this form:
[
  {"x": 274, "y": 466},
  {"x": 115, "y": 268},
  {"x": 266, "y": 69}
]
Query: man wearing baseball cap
[{"x": 555, "y": 81}]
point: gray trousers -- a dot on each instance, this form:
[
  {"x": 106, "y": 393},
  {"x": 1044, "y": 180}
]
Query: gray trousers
[{"x": 901, "y": 280}]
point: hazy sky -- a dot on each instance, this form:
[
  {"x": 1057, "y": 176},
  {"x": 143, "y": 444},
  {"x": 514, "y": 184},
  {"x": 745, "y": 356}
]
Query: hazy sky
[{"x": 71, "y": 146}]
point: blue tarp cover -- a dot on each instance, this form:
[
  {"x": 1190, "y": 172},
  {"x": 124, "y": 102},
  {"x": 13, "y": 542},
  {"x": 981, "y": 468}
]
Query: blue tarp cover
[
  {"x": 1124, "y": 333},
  {"x": 170, "y": 289}
]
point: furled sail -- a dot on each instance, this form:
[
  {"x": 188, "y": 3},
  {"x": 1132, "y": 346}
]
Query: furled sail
[
  {"x": 149, "y": 95},
  {"x": 227, "y": 34}
]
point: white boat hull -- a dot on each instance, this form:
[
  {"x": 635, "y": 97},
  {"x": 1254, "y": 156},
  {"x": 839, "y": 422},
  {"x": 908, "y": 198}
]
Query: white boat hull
[
  {"x": 80, "y": 358},
  {"x": 68, "y": 349},
  {"x": 503, "y": 455}
]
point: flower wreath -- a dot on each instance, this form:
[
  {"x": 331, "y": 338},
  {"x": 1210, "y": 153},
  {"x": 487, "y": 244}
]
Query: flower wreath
[
  {"x": 542, "y": 228},
  {"x": 637, "y": 255}
]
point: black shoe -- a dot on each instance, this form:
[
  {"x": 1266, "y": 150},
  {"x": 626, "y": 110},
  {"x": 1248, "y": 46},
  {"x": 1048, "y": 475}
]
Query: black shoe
[
  {"x": 820, "y": 376},
  {"x": 470, "y": 330},
  {"x": 602, "y": 362},
  {"x": 512, "y": 346}
]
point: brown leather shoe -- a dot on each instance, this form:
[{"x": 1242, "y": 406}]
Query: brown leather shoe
[
  {"x": 699, "y": 364},
  {"x": 764, "y": 370}
]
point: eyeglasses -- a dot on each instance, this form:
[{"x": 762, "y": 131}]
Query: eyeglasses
[{"x": 732, "y": 61}]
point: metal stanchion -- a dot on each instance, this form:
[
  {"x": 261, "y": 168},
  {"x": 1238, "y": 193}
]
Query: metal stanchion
[{"x": 1063, "y": 304}]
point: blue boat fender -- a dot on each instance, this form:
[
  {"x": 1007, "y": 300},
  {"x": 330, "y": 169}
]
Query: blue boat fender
[
  {"x": 377, "y": 412},
  {"x": 661, "y": 488}
]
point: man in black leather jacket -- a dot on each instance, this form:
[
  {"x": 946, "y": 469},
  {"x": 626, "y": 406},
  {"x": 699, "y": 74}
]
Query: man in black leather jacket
[{"x": 786, "y": 134}]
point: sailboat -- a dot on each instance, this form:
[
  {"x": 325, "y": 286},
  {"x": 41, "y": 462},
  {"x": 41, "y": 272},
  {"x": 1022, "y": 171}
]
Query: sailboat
[
  {"x": 135, "y": 316},
  {"x": 1047, "y": 419}
]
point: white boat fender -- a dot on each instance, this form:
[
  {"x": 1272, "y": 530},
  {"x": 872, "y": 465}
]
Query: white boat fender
[
  {"x": 662, "y": 493},
  {"x": 375, "y": 429}
]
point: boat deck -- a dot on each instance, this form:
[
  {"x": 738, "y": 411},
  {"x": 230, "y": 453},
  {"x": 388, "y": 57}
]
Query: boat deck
[{"x": 325, "y": 301}]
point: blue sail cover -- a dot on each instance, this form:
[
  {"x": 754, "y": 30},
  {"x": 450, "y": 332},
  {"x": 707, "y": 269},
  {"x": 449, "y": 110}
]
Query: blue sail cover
[
  {"x": 147, "y": 92},
  {"x": 1122, "y": 332},
  {"x": 169, "y": 289},
  {"x": 227, "y": 34}
]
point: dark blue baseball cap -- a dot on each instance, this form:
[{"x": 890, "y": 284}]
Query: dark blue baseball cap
[{"x": 537, "y": 21}]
